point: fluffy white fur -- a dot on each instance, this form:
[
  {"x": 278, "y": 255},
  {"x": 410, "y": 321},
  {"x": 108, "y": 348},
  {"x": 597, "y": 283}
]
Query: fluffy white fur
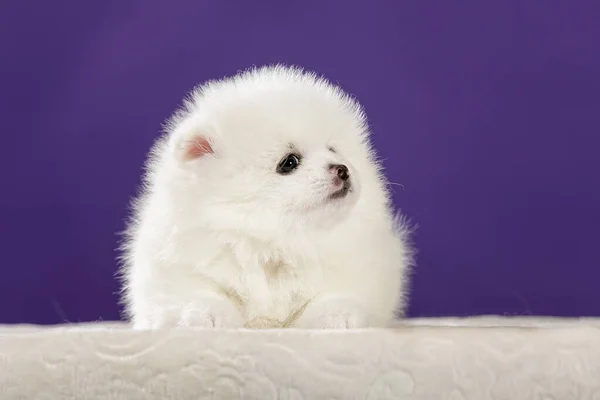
[{"x": 220, "y": 239}]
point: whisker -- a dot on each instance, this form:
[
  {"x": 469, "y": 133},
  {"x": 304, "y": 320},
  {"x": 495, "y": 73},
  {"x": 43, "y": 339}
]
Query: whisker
[{"x": 397, "y": 184}]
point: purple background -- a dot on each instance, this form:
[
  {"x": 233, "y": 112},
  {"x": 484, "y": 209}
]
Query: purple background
[{"x": 487, "y": 112}]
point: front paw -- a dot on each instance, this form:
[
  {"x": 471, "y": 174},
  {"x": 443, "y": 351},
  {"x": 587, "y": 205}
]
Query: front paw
[
  {"x": 339, "y": 320},
  {"x": 332, "y": 315},
  {"x": 212, "y": 314}
]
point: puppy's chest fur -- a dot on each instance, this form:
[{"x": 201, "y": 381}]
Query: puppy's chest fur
[{"x": 267, "y": 286}]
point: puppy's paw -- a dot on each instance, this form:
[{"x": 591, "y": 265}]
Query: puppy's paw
[
  {"x": 212, "y": 313},
  {"x": 332, "y": 315},
  {"x": 340, "y": 320}
]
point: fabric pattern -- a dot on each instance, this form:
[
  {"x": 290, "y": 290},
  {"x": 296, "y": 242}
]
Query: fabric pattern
[{"x": 479, "y": 358}]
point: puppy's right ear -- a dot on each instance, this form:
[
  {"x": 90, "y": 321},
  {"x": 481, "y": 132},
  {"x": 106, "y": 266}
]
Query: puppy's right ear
[
  {"x": 195, "y": 147},
  {"x": 191, "y": 142}
]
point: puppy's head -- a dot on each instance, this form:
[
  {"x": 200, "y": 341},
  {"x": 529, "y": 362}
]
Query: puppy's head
[{"x": 269, "y": 152}]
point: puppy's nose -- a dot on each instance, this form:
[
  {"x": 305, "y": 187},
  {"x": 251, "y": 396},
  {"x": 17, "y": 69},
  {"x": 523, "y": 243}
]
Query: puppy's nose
[{"x": 340, "y": 170}]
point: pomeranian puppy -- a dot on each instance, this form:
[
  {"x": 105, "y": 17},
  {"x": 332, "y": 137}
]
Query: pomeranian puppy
[{"x": 264, "y": 206}]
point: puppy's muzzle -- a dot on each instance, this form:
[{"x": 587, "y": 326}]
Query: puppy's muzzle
[{"x": 341, "y": 180}]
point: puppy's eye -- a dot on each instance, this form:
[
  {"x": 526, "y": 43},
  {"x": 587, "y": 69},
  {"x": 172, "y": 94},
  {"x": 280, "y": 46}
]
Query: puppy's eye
[
  {"x": 331, "y": 149},
  {"x": 288, "y": 164}
]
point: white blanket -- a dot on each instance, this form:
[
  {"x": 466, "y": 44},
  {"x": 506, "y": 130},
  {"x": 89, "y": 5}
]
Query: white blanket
[{"x": 475, "y": 358}]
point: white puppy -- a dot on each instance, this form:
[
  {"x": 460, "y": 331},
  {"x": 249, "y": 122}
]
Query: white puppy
[{"x": 264, "y": 206}]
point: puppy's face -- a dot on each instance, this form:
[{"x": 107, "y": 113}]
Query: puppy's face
[
  {"x": 270, "y": 182},
  {"x": 273, "y": 164}
]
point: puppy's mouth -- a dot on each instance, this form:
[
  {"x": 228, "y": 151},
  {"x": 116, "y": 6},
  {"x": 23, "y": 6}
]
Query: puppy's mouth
[{"x": 343, "y": 192}]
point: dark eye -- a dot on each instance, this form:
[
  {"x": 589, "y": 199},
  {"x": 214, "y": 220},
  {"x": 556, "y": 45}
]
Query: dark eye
[{"x": 288, "y": 164}]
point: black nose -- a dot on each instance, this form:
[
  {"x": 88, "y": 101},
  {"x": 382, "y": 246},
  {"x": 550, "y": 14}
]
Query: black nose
[{"x": 341, "y": 171}]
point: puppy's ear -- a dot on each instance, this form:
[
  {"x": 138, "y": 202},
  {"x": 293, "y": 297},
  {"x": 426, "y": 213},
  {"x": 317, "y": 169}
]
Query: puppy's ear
[
  {"x": 195, "y": 147},
  {"x": 192, "y": 141}
]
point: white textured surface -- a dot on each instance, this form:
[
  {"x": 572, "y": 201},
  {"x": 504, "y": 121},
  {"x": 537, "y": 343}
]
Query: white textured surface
[{"x": 479, "y": 358}]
